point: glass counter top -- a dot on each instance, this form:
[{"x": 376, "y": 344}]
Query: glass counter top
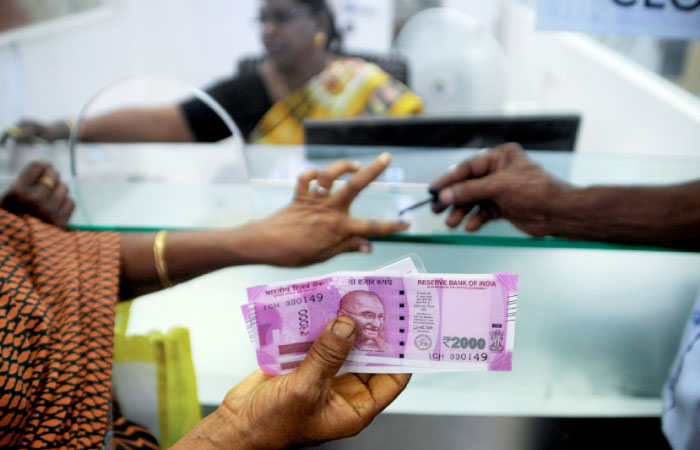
[{"x": 201, "y": 186}]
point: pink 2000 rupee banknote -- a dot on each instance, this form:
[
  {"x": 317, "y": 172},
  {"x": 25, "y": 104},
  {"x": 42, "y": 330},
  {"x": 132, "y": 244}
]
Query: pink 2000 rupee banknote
[
  {"x": 406, "y": 322},
  {"x": 405, "y": 265}
]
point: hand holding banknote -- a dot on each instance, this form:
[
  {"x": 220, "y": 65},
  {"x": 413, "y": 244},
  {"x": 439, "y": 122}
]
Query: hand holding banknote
[
  {"x": 504, "y": 183},
  {"x": 305, "y": 407},
  {"x": 317, "y": 224}
]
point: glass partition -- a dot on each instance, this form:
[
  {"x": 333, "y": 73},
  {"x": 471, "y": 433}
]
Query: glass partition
[{"x": 148, "y": 187}]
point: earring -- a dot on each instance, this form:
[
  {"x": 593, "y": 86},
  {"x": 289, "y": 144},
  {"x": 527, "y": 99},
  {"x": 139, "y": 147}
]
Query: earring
[{"x": 320, "y": 39}]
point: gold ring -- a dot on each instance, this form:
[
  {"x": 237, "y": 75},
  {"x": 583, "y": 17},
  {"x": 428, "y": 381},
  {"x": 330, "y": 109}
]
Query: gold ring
[{"x": 48, "y": 182}]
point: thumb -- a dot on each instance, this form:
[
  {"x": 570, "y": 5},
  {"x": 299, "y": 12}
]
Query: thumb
[{"x": 329, "y": 351}]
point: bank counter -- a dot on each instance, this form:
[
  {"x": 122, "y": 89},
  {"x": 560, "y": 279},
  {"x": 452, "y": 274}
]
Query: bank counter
[{"x": 597, "y": 324}]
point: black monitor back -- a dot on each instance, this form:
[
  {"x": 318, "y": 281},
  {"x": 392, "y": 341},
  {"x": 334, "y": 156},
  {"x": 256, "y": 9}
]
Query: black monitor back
[{"x": 536, "y": 132}]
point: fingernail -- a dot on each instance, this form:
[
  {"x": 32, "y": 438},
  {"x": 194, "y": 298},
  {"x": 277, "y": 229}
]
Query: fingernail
[
  {"x": 385, "y": 157},
  {"x": 447, "y": 196},
  {"x": 403, "y": 222},
  {"x": 366, "y": 248},
  {"x": 356, "y": 164},
  {"x": 343, "y": 327}
]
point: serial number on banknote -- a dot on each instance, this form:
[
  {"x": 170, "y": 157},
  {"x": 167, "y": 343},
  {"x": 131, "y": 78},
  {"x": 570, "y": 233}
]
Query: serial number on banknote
[
  {"x": 315, "y": 298},
  {"x": 481, "y": 357}
]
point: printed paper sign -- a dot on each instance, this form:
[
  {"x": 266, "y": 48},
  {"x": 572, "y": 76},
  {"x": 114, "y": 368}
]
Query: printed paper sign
[{"x": 664, "y": 18}]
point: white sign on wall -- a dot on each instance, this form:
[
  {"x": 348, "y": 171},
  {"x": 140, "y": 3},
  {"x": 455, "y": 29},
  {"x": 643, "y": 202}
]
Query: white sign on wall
[{"x": 666, "y": 18}]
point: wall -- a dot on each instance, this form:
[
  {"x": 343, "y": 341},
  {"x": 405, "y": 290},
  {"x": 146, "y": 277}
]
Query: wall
[
  {"x": 52, "y": 73},
  {"x": 625, "y": 109}
]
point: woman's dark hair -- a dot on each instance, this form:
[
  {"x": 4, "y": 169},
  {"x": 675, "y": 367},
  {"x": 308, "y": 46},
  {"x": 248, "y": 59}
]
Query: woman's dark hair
[{"x": 335, "y": 39}]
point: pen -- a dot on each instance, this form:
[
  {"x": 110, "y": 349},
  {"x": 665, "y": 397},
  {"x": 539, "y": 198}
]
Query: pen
[
  {"x": 417, "y": 205},
  {"x": 433, "y": 196}
]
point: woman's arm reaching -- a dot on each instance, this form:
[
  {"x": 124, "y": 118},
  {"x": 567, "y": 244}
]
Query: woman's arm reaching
[{"x": 314, "y": 227}]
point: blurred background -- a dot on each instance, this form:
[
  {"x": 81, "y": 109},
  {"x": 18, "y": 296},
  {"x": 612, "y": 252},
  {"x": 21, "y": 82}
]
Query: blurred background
[{"x": 636, "y": 94}]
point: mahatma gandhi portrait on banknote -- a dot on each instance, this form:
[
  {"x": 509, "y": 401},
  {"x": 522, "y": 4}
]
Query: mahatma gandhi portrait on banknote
[{"x": 367, "y": 310}]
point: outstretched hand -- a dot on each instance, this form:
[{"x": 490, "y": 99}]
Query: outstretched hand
[
  {"x": 29, "y": 131},
  {"x": 306, "y": 407},
  {"x": 503, "y": 183},
  {"x": 317, "y": 224}
]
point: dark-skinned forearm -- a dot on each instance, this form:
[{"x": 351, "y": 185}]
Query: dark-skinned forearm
[
  {"x": 164, "y": 124},
  {"x": 187, "y": 255},
  {"x": 667, "y": 216}
]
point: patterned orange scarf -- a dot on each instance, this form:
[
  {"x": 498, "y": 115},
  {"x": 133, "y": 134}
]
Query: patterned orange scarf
[{"x": 58, "y": 292}]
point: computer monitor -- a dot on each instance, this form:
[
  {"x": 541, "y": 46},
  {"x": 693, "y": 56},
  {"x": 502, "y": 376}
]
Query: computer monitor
[{"x": 534, "y": 132}]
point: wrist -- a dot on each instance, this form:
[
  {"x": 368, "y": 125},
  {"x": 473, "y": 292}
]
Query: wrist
[
  {"x": 249, "y": 244},
  {"x": 218, "y": 431},
  {"x": 239, "y": 429},
  {"x": 268, "y": 244},
  {"x": 569, "y": 212},
  {"x": 59, "y": 130}
]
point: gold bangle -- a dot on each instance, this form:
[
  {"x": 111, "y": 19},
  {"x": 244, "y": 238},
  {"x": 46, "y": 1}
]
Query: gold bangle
[{"x": 159, "y": 256}]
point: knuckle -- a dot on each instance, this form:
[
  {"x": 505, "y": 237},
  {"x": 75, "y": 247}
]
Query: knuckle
[
  {"x": 511, "y": 147},
  {"x": 36, "y": 166},
  {"x": 463, "y": 170},
  {"x": 325, "y": 179},
  {"x": 339, "y": 166},
  {"x": 30, "y": 196},
  {"x": 306, "y": 177},
  {"x": 512, "y": 150},
  {"x": 335, "y": 222},
  {"x": 327, "y": 355}
]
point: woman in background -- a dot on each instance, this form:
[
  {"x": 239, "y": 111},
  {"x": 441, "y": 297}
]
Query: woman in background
[{"x": 302, "y": 76}]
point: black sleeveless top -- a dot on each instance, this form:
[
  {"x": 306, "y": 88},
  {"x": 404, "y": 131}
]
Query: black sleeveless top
[{"x": 244, "y": 97}]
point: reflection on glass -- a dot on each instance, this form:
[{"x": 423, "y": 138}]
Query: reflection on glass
[{"x": 677, "y": 60}]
